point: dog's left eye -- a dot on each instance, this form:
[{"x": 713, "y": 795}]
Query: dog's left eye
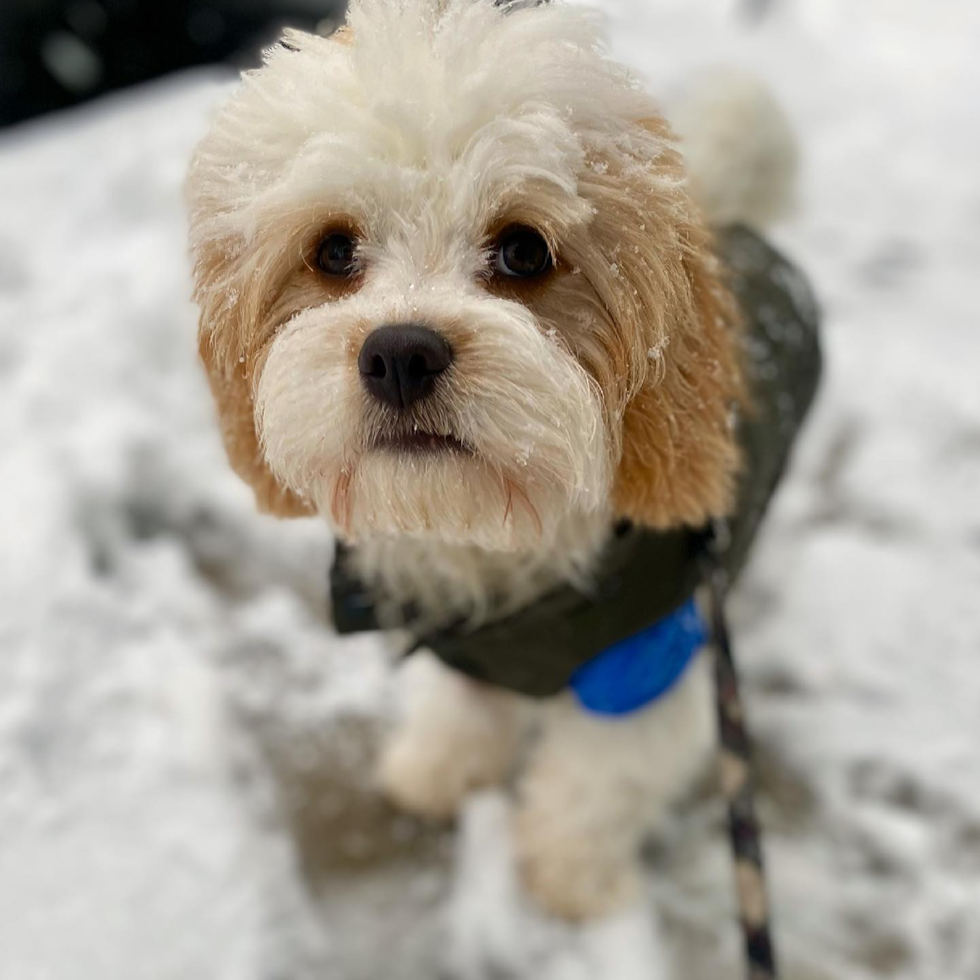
[
  {"x": 522, "y": 252},
  {"x": 335, "y": 256}
]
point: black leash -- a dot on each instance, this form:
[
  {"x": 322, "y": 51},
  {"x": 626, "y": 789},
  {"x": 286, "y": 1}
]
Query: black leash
[{"x": 738, "y": 788}]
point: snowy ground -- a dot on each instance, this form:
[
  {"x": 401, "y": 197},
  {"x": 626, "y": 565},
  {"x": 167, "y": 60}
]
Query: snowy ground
[{"x": 183, "y": 744}]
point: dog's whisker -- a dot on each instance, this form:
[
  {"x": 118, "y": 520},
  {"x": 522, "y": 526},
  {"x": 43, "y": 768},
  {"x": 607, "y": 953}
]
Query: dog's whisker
[
  {"x": 340, "y": 504},
  {"x": 532, "y": 511},
  {"x": 508, "y": 509}
]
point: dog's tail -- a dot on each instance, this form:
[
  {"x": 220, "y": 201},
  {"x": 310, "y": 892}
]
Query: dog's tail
[{"x": 741, "y": 153}]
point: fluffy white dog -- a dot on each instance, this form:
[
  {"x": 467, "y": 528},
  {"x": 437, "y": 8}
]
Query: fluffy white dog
[{"x": 457, "y": 300}]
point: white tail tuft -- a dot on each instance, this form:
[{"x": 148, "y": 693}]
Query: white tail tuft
[{"x": 741, "y": 154}]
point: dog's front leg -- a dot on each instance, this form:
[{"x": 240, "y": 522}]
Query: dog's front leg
[
  {"x": 457, "y": 736},
  {"x": 595, "y": 785}
]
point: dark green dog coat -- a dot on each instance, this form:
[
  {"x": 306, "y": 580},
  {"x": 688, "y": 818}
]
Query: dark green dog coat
[{"x": 646, "y": 579}]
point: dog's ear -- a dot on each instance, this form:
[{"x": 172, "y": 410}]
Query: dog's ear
[
  {"x": 232, "y": 369},
  {"x": 680, "y": 455},
  {"x": 677, "y": 330}
]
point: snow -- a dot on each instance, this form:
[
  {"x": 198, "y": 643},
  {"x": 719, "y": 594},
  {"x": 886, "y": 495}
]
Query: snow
[{"x": 184, "y": 745}]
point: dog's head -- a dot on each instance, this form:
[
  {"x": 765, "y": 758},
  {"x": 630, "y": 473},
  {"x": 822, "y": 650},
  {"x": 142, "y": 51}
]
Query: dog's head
[{"x": 452, "y": 283}]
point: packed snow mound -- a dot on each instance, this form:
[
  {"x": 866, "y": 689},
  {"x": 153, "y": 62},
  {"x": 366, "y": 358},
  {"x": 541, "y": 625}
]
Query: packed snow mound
[{"x": 185, "y": 747}]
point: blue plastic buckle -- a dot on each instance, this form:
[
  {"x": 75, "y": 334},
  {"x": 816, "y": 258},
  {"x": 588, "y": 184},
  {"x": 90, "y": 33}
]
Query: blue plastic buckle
[{"x": 636, "y": 671}]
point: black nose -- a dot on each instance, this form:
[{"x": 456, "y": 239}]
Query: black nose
[{"x": 399, "y": 364}]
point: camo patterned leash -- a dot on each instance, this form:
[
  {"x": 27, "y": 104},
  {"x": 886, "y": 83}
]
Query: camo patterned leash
[{"x": 738, "y": 787}]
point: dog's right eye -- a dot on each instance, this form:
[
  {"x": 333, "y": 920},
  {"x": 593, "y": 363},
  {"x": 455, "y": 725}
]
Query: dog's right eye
[
  {"x": 522, "y": 253},
  {"x": 335, "y": 256}
]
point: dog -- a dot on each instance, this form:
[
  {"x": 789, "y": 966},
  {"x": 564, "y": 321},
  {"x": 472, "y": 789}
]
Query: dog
[{"x": 460, "y": 299}]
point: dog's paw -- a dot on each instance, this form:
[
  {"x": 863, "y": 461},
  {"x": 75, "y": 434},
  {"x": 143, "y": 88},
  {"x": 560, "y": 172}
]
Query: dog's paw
[
  {"x": 432, "y": 779},
  {"x": 571, "y": 874},
  {"x": 420, "y": 781}
]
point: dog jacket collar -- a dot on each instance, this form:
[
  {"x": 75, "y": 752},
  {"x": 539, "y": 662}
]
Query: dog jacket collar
[{"x": 632, "y": 634}]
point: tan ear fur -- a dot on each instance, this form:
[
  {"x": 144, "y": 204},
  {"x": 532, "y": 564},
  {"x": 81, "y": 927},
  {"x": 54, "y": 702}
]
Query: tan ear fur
[
  {"x": 680, "y": 456},
  {"x": 679, "y": 450},
  {"x": 232, "y": 368},
  {"x": 236, "y": 417}
]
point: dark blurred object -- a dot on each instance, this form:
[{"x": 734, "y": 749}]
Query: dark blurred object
[
  {"x": 56, "y": 53},
  {"x": 756, "y": 10}
]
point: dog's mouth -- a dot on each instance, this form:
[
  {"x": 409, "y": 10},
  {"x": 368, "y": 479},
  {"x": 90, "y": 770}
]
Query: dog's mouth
[{"x": 420, "y": 443}]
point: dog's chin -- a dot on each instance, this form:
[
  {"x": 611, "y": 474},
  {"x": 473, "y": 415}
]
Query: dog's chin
[{"x": 439, "y": 488}]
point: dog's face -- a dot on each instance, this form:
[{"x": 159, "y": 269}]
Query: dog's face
[{"x": 452, "y": 285}]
